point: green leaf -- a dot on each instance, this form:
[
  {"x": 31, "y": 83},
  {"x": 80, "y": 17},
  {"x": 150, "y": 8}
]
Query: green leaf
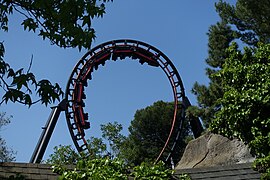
[
  {"x": 30, "y": 24},
  {"x": 28, "y": 100},
  {"x": 47, "y": 92},
  {"x": 11, "y": 73}
]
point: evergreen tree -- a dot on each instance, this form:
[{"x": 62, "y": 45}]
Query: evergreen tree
[
  {"x": 249, "y": 19},
  {"x": 149, "y": 131},
  {"x": 236, "y": 102},
  {"x": 220, "y": 37},
  {"x": 246, "y": 22}
]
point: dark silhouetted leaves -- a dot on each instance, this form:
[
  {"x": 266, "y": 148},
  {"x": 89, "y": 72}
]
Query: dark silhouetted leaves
[{"x": 64, "y": 23}]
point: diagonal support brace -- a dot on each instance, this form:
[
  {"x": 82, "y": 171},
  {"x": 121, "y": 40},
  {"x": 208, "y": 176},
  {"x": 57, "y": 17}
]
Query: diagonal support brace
[{"x": 47, "y": 132}]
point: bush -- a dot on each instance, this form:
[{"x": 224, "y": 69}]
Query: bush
[{"x": 105, "y": 168}]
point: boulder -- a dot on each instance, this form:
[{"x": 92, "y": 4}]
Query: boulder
[{"x": 214, "y": 150}]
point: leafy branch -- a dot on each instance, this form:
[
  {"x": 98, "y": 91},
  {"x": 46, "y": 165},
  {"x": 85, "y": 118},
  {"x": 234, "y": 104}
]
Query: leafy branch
[
  {"x": 63, "y": 23},
  {"x": 18, "y": 86}
]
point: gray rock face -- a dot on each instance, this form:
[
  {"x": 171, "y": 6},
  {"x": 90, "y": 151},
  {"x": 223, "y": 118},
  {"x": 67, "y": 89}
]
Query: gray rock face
[{"x": 213, "y": 150}]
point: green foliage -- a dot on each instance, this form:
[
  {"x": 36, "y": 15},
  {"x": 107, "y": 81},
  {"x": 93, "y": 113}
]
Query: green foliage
[
  {"x": 246, "y": 101},
  {"x": 152, "y": 171},
  {"x": 249, "y": 18},
  {"x": 19, "y": 85},
  {"x": 64, "y": 23},
  {"x": 100, "y": 165},
  {"x": 105, "y": 168},
  {"x": 63, "y": 155},
  {"x": 97, "y": 148},
  {"x": 246, "y": 22},
  {"x": 6, "y": 154},
  {"x": 263, "y": 166},
  {"x": 111, "y": 133},
  {"x": 184, "y": 177},
  {"x": 220, "y": 37},
  {"x": 236, "y": 101},
  {"x": 149, "y": 131},
  {"x": 98, "y": 169},
  {"x": 67, "y": 155},
  {"x": 154, "y": 120}
]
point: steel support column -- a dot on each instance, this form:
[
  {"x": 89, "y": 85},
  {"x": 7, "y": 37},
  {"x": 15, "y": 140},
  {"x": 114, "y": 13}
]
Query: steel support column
[{"x": 47, "y": 132}]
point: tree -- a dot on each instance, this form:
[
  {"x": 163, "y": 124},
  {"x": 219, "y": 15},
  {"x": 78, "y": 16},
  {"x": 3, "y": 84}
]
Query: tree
[
  {"x": 246, "y": 101},
  {"x": 250, "y": 19},
  {"x": 64, "y": 23},
  {"x": 63, "y": 155},
  {"x": 101, "y": 166},
  {"x": 236, "y": 102},
  {"x": 149, "y": 131},
  {"x": 97, "y": 148},
  {"x": 220, "y": 37},
  {"x": 111, "y": 132},
  {"x": 247, "y": 23},
  {"x": 6, "y": 154}
]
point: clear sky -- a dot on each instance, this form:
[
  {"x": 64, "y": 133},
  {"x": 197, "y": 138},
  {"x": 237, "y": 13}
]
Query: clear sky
[{"x": 177, "y": 28}]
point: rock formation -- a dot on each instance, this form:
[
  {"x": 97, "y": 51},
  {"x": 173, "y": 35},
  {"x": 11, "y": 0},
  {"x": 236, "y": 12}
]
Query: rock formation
[{"x": 213, "y": 150}]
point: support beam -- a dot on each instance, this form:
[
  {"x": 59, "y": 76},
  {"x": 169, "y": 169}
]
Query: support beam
[
  {"x": 47, "y": 132},
  {"x": 195, "y": 123}
]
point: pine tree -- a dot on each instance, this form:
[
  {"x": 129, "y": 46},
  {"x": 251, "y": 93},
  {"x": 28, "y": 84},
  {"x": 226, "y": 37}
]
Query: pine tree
[
  {"x": 246, "y": 23},
  {"x": 149, "y": 131}
]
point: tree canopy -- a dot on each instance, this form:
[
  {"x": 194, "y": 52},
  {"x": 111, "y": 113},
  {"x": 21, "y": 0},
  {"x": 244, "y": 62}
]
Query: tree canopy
[
  {"x": 63, "y": 23},
  {"x": 249, "y": 19},
  {"x": 220, "y": 37},
  {"x": 246, "y": 100},
  {"x": 105, "y": 162},
  {"x": 6, "y": 153},
  {"x": 247, "y": 23},
  {"x": 236, "y": 101},
  {"x": 149, "y": 131}
]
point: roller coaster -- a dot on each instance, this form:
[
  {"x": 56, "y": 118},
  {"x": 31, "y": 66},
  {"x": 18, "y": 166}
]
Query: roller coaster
[{"x": 74, "y": 102}]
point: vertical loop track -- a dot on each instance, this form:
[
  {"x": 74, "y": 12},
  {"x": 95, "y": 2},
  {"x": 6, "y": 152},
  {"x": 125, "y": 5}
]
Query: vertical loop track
[{"x": 77, "y": 119}]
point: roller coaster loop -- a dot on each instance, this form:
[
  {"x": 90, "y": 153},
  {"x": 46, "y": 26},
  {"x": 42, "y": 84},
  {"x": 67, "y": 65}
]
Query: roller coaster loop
[{"x": 77, "y": 119}]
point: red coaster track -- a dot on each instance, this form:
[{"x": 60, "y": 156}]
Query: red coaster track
[{"x": 77, "y": 119}]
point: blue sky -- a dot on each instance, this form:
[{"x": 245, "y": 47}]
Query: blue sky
[{"x": 177, "y": 28}]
